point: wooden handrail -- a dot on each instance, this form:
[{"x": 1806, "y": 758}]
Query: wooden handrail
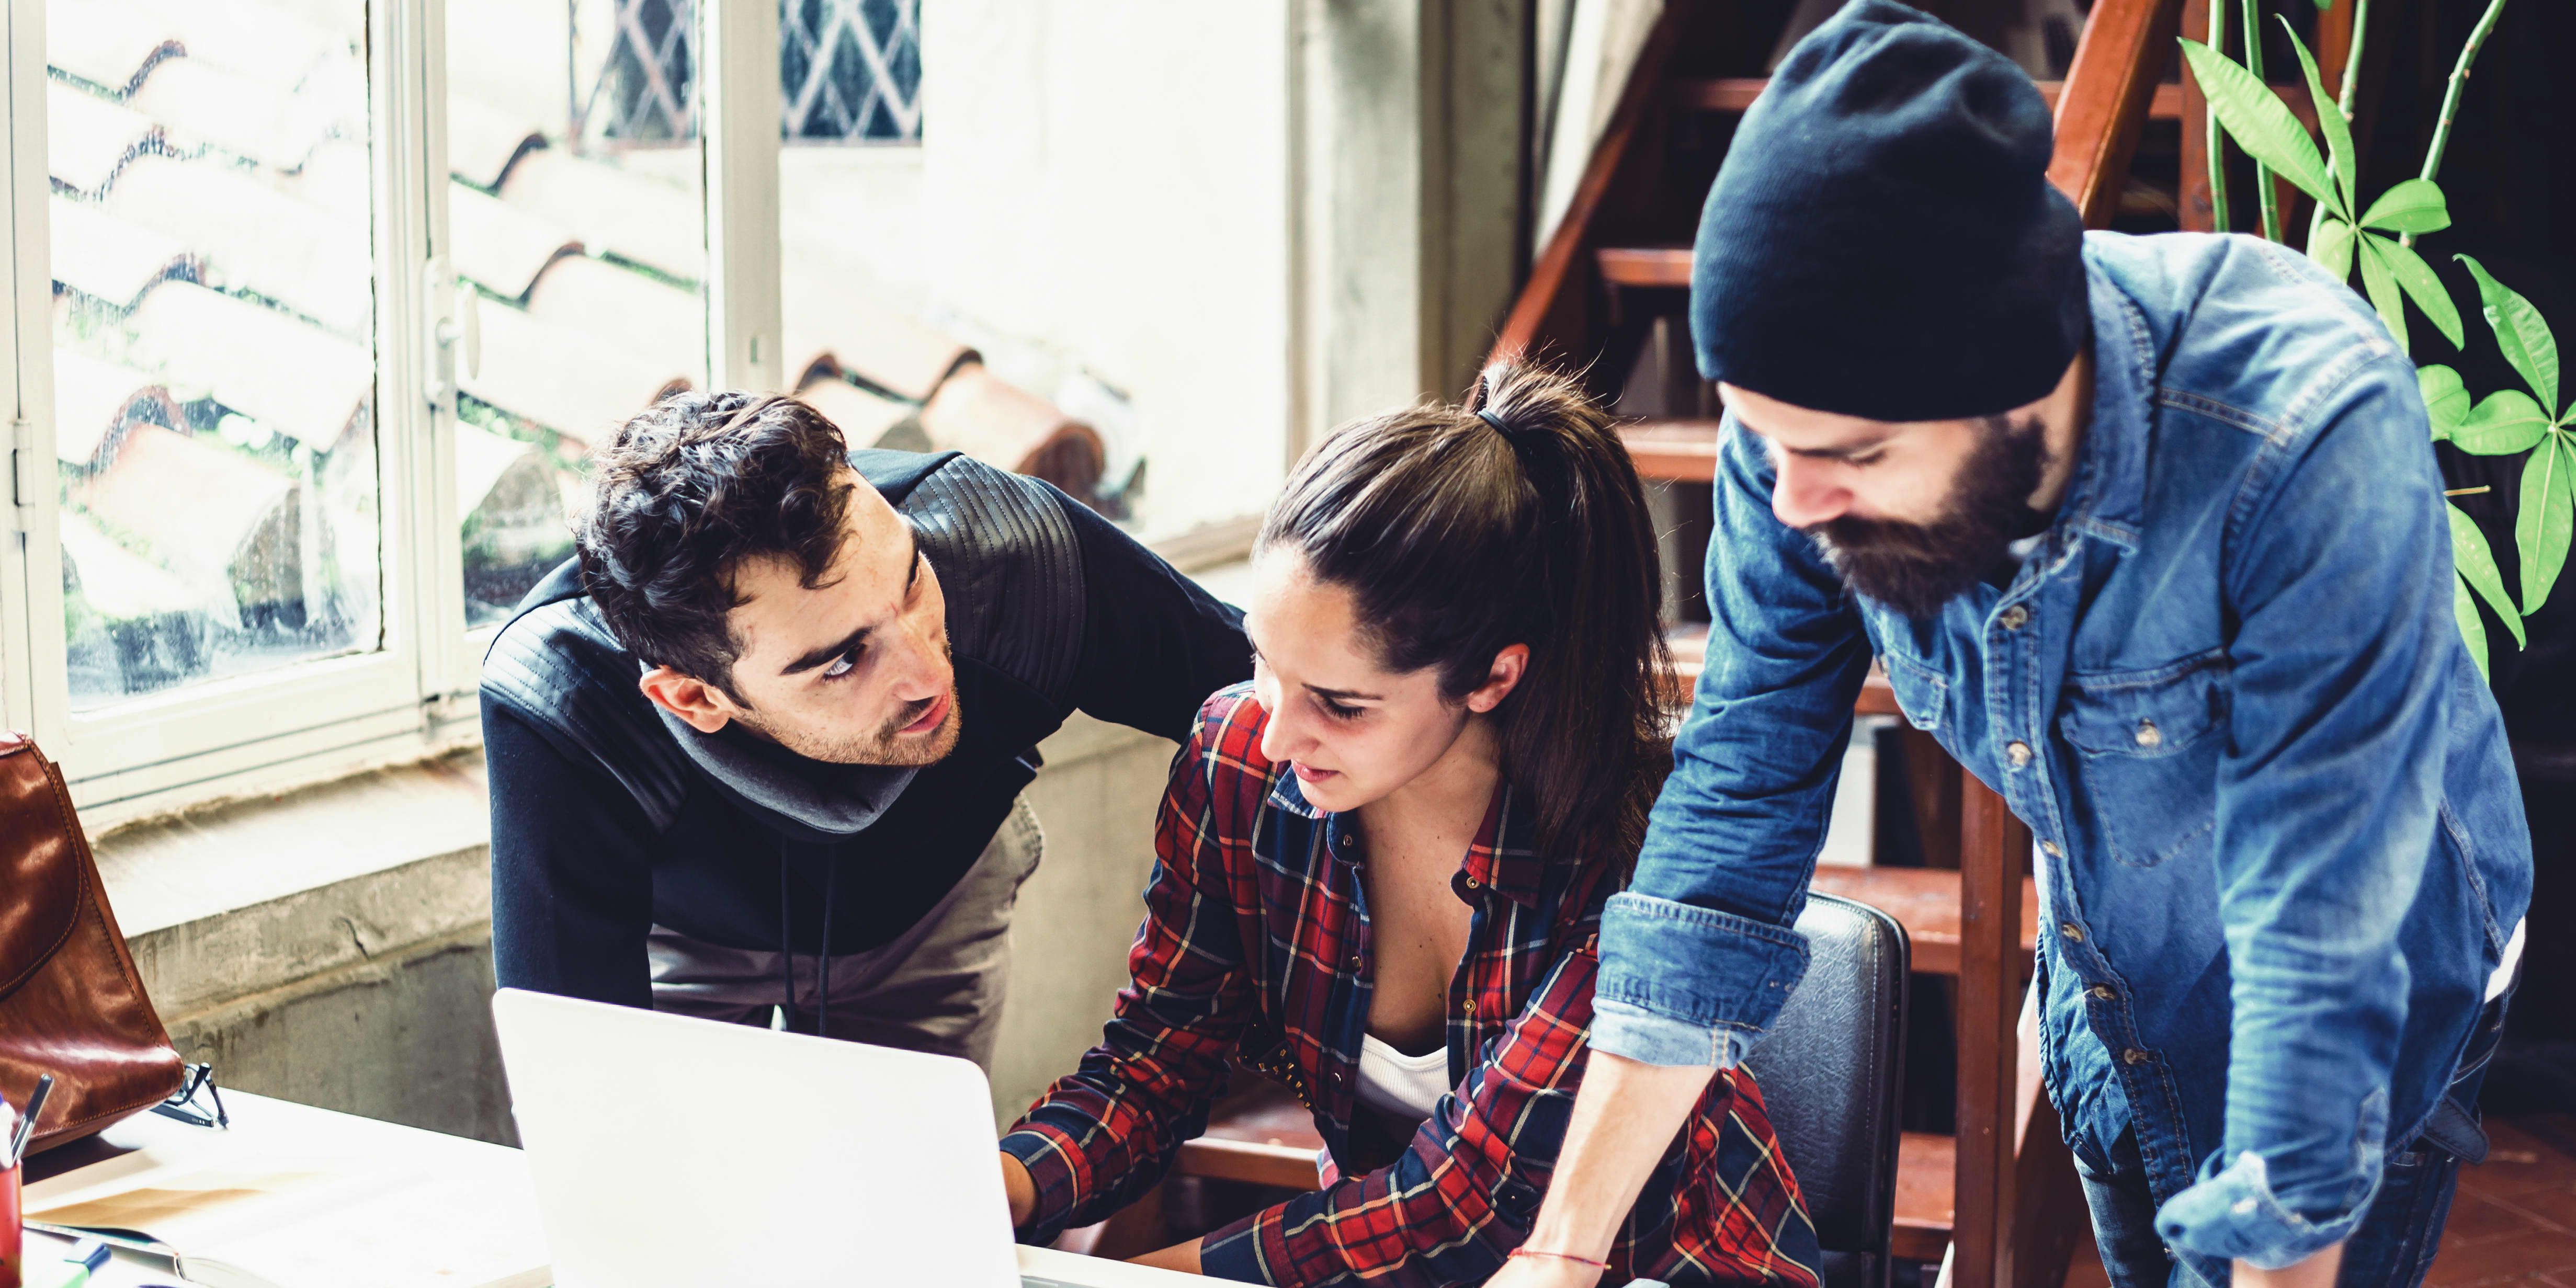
[
  {"x": 1736, "y": 93},
  {"x": 2109, "y": 88}
]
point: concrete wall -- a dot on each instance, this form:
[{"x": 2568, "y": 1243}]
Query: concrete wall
[{"x": 334, "y": 947}]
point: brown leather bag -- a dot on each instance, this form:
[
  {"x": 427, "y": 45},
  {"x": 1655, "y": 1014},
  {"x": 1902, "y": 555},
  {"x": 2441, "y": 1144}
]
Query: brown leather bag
[{"x": 70, "y": 1002}]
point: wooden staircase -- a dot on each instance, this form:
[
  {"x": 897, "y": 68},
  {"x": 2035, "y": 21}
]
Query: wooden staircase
[{"x": 2002, "y": 1190}]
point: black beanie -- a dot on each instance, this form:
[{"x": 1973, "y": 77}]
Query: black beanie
[{"x": 1883, "y": 240}]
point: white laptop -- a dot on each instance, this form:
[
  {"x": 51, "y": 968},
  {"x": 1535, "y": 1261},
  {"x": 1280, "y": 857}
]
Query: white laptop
[{"x": 679, "y": 1152}]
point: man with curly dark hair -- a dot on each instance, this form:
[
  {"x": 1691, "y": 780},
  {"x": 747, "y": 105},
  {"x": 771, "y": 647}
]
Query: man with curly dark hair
[{"x": 758, "y": 749}]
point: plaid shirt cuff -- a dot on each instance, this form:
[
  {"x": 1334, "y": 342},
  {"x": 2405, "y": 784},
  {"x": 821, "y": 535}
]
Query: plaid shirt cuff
[
  {"x": 1234, "y": 1252},
  {"x": 1056, "y": 1164}
]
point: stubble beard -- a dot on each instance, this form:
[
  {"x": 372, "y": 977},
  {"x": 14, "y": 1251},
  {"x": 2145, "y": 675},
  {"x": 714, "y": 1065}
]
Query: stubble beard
[{"x": 1915, "y": 568}]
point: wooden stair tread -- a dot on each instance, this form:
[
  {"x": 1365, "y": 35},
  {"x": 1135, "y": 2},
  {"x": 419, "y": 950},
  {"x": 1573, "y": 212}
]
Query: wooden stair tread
[
  {"x": 1680, "y": 450},
  {"x": 1689, "y": 644},
  {"x": 1925, "y": 1172},
  {"x": 1645, "y": 265},
  {"x": 1258, "y": 1132},
  {"x": 1926, "y": 902},
  {"x": 1736, "y": 93}
]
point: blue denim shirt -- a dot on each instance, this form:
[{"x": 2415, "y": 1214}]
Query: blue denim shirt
[{"x": 2226, "y": 692}]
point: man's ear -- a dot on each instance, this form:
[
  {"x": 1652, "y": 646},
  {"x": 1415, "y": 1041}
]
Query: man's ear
[
  {"x": 1509, "y": 666},
  {"x": 693, "y": 700}
]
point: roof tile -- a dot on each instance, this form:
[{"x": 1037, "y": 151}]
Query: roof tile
[
  {"x": 289, "y": 375},
  {"x": 101, "y": 255},
  {"x": 252, "y": 237}
]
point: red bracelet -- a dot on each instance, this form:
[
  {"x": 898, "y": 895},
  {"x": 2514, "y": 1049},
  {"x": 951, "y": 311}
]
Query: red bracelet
[{"x": 1561, "y": 1256}]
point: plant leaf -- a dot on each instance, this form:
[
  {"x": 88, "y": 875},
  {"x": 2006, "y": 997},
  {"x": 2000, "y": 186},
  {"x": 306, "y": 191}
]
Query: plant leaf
[
  {"x": 2477, "y": 566},
  {"x": 2506, "y": 422},
  {"x": 2473, "y": 633},
  {"x": 2425, "y": 289},
  {"x": 2261, "y": 124},
  {"x": 2380, "y": 282},
  {"x": 2331, "y": 248},
  {"x": 2415, "y": 206},
  {"x": 2540, "y": 531},
  {"x": 2446, "y": 399},
  {"x": 2338, "y": 131},
  {"x": 2522, "y": 333}
]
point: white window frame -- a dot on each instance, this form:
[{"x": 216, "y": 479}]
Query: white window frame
[{"x": 414, "y": 696}]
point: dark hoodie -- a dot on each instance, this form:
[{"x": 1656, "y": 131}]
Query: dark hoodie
[{"x": 608, "y": 817}]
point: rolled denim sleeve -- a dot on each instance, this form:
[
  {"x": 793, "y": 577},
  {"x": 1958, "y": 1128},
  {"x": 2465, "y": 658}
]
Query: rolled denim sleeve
[
  {"x": 2329, "y": 794},
  {"x": 1698, "y": 953}
]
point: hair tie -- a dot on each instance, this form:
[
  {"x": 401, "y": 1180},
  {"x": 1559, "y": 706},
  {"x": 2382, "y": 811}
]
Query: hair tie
[{"x": 1495, "y": 421}]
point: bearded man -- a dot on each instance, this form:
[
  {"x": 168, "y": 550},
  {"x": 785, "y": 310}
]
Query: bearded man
[
  {"x": 756, "y": 752},
  {"x": 2146, "y": 531}
]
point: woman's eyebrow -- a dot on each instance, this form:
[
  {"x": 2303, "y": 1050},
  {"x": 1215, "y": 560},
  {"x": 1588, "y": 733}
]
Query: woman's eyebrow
[{"x": 1343, "y": 695}]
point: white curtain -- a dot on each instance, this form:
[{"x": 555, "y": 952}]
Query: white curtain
[{"x": 1601, "y": 41}]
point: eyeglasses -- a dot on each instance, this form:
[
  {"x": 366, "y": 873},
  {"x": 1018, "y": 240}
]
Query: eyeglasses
[{"x": 183, "y": 1105}]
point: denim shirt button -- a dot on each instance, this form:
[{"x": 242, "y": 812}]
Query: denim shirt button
[
  {"x": 2074, "y": 933},
  {"x": 2133, "y": 1056},
  {"x": 2148, "y": 735},
  {"x": 2013, "y": 617},
  {"x": 2105, "y": 992},
  {"x": 2018, "y": 753},
  {"x": 2050, "y": 849}
]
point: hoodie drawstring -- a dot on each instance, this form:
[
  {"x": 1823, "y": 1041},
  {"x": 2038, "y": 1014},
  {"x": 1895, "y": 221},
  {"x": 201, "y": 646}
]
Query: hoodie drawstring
[
  {"x": 823, "y": 1010},
  {"x": 787, "y": 952}
]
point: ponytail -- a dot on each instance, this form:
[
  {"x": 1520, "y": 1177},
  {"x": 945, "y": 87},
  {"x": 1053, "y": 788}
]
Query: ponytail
[{"x": 1517, "y": 519}]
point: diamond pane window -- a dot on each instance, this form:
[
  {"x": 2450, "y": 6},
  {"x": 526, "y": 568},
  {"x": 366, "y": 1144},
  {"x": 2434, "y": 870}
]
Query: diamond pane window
[
  {"x": 850, "y": 70},
  {"x": 214, "y": 347}
]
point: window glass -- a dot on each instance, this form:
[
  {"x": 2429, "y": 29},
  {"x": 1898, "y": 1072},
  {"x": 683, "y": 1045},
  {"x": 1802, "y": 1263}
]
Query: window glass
[
  {"x": 577, "y": 219},
  {"x": 213, "y": 324}
]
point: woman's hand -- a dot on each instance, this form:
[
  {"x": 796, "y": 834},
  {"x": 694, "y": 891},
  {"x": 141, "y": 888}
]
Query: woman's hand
[
  {"x": 1183, "y": 1257},
  {"x": 1022, "y": 1189}
]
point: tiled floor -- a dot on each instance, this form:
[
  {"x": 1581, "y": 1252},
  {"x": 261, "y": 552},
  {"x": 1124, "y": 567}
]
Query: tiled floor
[{"x": 2513, "y": 1222}]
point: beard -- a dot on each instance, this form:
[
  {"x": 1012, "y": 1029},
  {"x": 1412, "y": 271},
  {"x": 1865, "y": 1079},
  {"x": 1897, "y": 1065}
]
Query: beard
[{"x": 1914, "y": 568}]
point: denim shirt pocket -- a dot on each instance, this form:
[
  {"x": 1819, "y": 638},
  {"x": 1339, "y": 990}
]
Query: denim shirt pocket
[
  {"x": 2147, "y": 745},
  {"x": 1922, "y": 693}
]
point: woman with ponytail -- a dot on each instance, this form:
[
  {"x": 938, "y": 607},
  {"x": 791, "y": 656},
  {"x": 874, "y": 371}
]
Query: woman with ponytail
[{"x": 1381, "y": 866}]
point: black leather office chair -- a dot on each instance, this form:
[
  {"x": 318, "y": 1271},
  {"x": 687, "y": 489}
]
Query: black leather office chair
[{"x": 1830, "y": 1070}]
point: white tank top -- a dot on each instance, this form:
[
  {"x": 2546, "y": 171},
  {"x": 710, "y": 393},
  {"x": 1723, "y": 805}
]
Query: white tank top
[{"x": 1404, "y": 1086}]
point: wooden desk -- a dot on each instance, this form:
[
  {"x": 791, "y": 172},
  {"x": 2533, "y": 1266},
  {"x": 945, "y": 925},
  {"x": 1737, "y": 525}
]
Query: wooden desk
[
  {"x": 504, "y": 1203},
  {"x": 484, "y": 1188}
]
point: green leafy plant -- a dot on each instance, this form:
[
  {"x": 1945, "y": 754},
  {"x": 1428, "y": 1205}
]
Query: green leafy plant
[{"x": 2378, "y": 239}]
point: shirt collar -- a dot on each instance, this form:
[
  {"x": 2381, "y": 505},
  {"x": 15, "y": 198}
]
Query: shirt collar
[
  {"x": 1501, "y": 858},
  {"x": 2107, "y": 495}
]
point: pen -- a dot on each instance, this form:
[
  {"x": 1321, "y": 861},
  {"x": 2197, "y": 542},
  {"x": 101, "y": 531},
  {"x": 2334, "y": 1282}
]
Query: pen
[{"x": 27, "y": 1121}]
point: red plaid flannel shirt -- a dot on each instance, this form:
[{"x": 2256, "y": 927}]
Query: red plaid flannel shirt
[{"x": 1255, "y": 943}]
